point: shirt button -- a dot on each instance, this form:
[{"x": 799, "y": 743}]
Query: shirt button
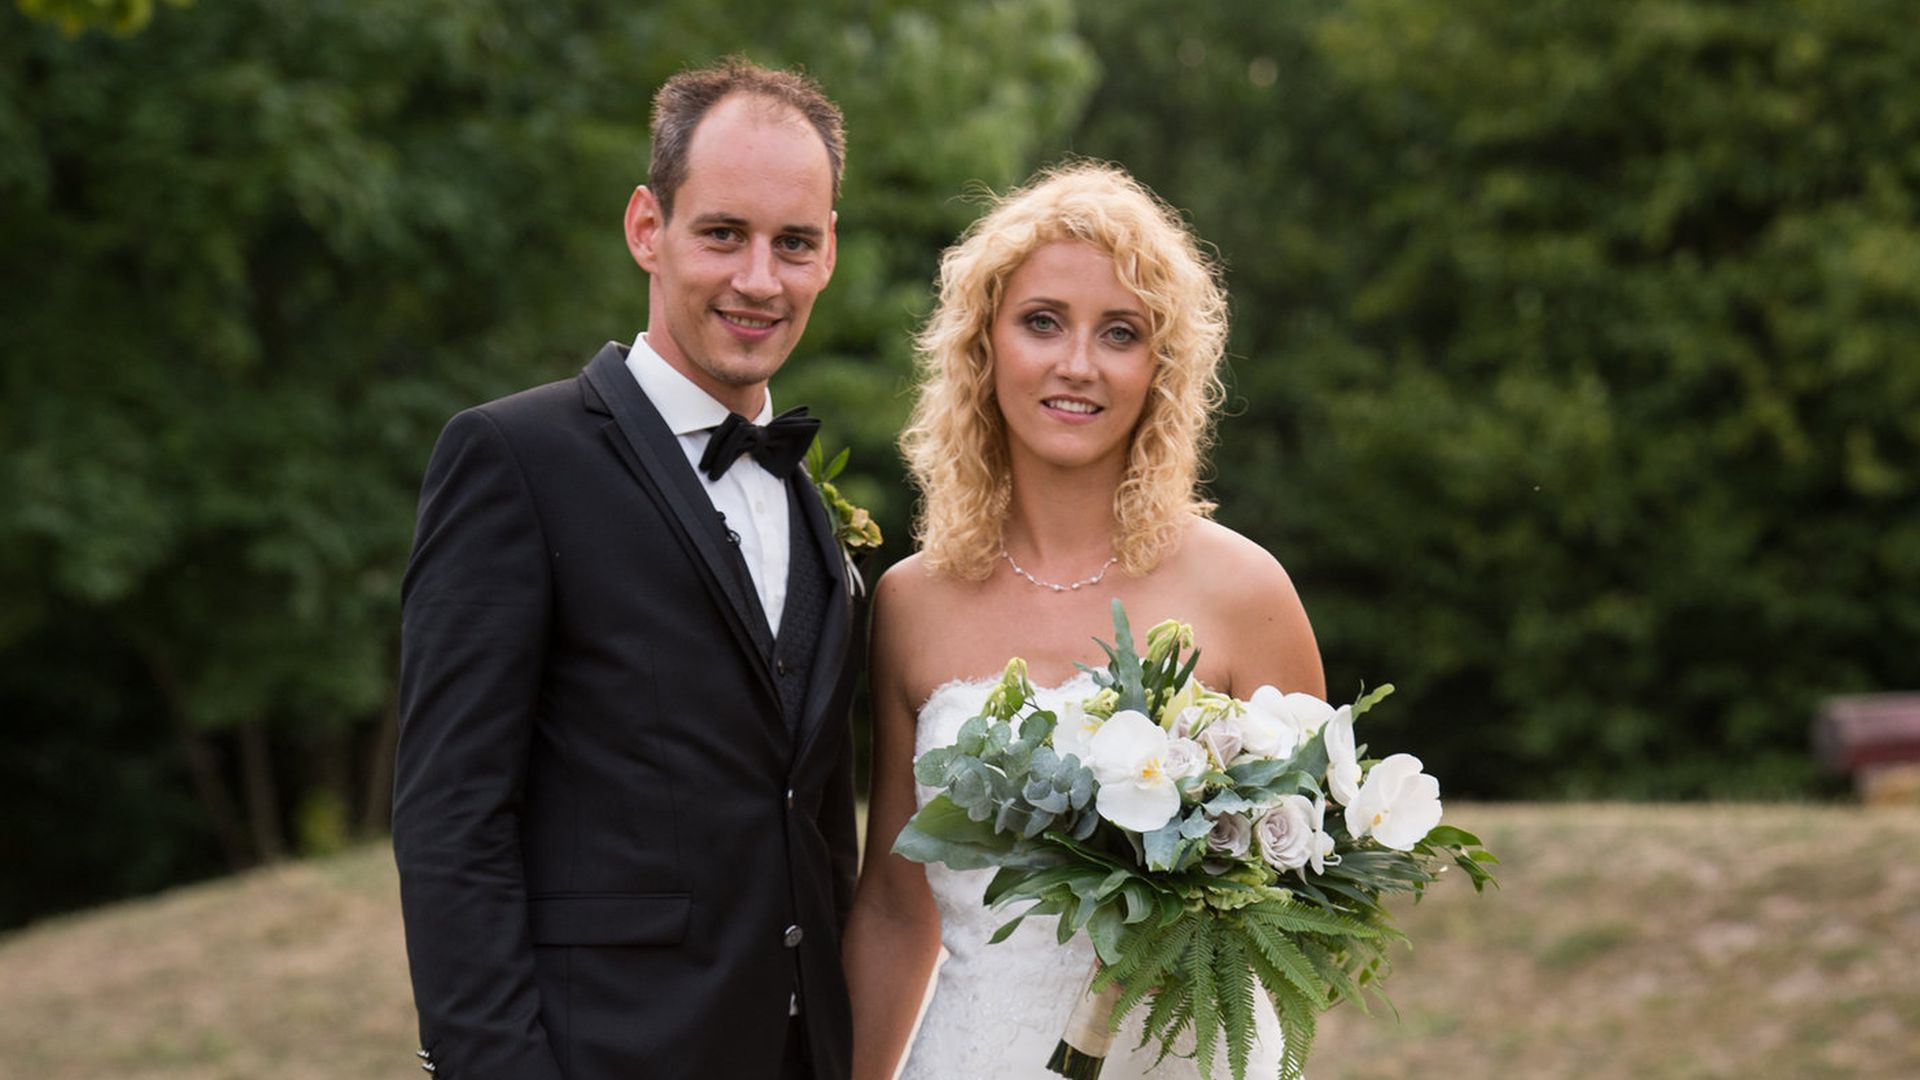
[{"x": 793, "y": 936}]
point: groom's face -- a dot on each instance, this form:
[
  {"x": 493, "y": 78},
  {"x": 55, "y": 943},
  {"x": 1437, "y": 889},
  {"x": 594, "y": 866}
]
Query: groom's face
[{"x": 735, "y": 272}]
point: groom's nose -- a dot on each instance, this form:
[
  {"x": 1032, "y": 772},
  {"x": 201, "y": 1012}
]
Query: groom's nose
[{"x": 755, "y": 278}]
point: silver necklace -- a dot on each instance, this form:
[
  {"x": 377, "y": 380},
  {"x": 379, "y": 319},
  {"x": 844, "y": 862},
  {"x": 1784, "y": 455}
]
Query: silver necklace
[{"x": 1055, "y": 586}]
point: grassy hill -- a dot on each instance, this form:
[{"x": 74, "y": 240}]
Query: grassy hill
[{"x": 1627, "y": 941}]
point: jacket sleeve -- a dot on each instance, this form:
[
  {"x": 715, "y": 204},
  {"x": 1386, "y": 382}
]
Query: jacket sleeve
[{"x": 475, "y": 608}]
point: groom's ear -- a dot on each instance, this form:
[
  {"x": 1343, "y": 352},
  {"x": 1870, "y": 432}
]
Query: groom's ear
[
  {"x": 643, "y": 224},
  {"x": 833, "y": 240}
]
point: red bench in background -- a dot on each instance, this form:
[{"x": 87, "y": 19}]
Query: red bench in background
[{"x": 1876, "y": 739}]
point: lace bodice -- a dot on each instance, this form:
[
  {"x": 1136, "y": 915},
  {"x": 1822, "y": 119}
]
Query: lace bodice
[{"x": 998, "y": 1010}]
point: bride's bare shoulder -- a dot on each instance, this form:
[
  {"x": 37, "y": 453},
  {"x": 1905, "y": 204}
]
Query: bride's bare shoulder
[
  {"x": 910, "y": 586},
  {"x": 1258, "y": 610},
  {"x": 1226, "y": 557}
]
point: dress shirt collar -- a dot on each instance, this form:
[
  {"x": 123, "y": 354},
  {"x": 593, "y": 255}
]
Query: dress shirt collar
[{"x": 681, "y": 403}]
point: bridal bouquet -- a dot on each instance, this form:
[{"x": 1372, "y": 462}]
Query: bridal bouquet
[{"x": 1188, "y": 834}]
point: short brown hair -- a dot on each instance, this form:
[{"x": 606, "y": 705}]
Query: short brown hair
[{"x": 684, "y": 100}]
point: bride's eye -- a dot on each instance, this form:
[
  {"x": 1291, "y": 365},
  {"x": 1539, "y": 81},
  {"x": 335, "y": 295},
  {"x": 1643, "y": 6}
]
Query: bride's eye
[{"x": 1042, "y": 322}]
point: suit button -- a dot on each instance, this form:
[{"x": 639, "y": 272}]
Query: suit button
[
  {"x": 789, "y": 798},
  {"x": 780, "y": 666},
  {"x": 793, "y": 936}
]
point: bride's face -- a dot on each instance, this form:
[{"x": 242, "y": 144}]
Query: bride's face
[{"x": 1071, "y": 363}]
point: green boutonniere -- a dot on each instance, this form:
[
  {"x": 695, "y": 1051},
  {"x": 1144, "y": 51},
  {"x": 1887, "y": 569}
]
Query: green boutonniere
[{"x": 853, "y": 528}]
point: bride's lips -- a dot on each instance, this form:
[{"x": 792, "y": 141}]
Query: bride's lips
[
  {"x": 1069, "y": 409},
  {"x": 748, "y": 325}
]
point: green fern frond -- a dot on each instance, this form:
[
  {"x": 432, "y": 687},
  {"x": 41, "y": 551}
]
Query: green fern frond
[
  {"x": 1285, "y": 958},
  {"x": 1296, "y": 918},
  {"x": 1171, "y": 1014},
  {"x": 1149, "y": 955},
  {"x": 1334, "y": 974},
  {"x": 1235, "y": 979},
  {"x": 1198, "y": 969},
  {"x": 1297, "y": 1029}
]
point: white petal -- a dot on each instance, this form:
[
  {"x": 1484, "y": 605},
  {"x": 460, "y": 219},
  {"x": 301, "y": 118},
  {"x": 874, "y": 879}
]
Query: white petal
[
  {"x": 1142, "y": 808},
  {"x": 1123, "y": 744}
]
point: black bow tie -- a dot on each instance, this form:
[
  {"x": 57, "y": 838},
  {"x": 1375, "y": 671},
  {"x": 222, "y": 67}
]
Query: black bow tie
[{"x": 778, "y": 447}]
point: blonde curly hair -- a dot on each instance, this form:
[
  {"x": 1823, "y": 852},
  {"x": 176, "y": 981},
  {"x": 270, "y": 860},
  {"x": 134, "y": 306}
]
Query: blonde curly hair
[{"x": 955, "y": 443}]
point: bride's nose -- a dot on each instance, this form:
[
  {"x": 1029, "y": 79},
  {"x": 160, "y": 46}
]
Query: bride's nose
[{"x": 1075, "y": 362}]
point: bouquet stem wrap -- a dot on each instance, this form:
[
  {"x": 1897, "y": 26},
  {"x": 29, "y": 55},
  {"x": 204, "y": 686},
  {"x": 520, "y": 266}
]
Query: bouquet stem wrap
[{"x": 1083, "y": 1049}]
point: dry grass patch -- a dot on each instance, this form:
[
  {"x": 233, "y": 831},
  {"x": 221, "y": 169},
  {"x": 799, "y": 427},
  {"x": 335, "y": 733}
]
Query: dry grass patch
[{"x": 1627, "y": 941}]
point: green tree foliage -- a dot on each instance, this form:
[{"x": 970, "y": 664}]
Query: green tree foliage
[
  {"x": 77, "y": 16},
  {"x": 1574, "y": 356},
  {"x": 253, "y": 257}
]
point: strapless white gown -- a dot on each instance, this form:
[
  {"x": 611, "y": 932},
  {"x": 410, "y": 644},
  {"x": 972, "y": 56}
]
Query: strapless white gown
[{"x": 998, "y": 1010}]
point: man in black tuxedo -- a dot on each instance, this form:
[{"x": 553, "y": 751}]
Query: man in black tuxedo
[{"x": 623, "y": 812}]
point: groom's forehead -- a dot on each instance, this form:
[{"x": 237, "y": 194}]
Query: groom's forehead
[{"x": 748, "y": 141}]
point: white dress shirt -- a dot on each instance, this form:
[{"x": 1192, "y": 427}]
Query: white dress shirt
[{"x": 753, "y": 500}]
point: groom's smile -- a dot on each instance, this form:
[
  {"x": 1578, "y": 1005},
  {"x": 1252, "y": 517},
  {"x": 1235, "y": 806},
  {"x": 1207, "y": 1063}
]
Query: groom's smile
[{"x": 735, "y": 269}]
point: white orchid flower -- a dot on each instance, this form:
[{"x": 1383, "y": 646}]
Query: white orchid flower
[
  {"x": 1396, "y": 805},
  {"x": 1073, "y": 729},
  {"x": 1320, "y": 849},
  {"x": 1264, "y": 729},
  {"x": 1343, "y": 762},
  {"x": 1303, "y": 713},
  {"x": 1128, "y": 755}
]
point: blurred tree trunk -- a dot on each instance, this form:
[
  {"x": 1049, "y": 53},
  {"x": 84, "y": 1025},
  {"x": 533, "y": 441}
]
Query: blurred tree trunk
[
  {"x": 263, "y": 798},
  {"x": 203, "y": 765}
]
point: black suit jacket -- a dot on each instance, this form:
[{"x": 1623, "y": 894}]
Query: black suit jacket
[{"x": 615, "y": 859}]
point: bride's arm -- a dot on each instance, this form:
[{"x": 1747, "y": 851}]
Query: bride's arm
[{"x": 893, "y": 934}]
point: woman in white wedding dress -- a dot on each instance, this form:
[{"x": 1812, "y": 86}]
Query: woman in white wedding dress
[{"x": 1069, "y": 380}]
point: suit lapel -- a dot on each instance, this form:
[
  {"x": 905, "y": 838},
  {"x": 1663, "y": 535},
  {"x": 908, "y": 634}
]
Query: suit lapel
[
  {"x": 656, "y": 460},
  {"x": 830, "y": 651}
]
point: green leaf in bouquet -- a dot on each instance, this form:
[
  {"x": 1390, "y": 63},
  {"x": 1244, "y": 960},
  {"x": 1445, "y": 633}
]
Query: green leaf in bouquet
[
  {"x": 1167, "y": 848},
  {"x": 1370, "y": 699},
  {"x": 972, "y": 788},
  {"x": 943, "y": 832},
  {"x": 1044, "y": 797},
  {"x": 1159, "y": 847},
  {"x": 1084, "y": 825},
  {"x": 1234, "y": 978},
  {"x": 1334, "y": 974},
  {"x": 1012, "y": 818},
  {"x": 1258, "y": 773},
  {"x": 1449, "y": 836},
  {"x": 999, "y": 737},
  {"x": 1139, "y": 900},
  {"x": 1288, "y": 916},
  {"x": 1125, "y": 662},
  {"x": 932, "y": 767},
  {"x": 1278, "y": 961},
  {"x": 973, "y": 736},
  {"x": 1228, "y": 802},
  {"x": 1105, "y": 930},
  {"x": 1198, "y": 973},
  {"x": 1038, "y": 725},
  {"x": 1195, "y": 825},
  {"x": 1081, "y": 791},
  {"x": 1311, "y": 757}
]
